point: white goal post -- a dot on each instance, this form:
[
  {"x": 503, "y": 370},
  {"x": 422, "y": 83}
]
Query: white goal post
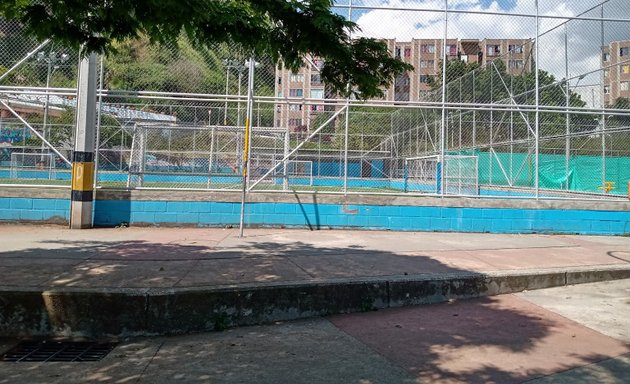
[
  {"x": 32, "y": 165},
  {"x": 459, "y": 176},
  {"x": 296, "y": 169}
]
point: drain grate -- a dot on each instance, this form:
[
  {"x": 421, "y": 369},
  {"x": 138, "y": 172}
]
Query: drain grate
[{"x": 48, "y": 351}]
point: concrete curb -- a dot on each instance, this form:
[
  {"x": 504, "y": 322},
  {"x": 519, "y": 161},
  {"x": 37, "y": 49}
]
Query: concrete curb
[{"x": 125, "y": 312}]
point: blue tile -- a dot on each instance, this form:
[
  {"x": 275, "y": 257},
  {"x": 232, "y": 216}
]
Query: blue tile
[
  {"x": 63, "y": 204},
  {"x": 9, "y": 214},
  {"x": 512, "y": 214},
  {"x": 55, "y": 214},
  {"x": 400, "y": 222},
  {"x": 462, "y": 224},
  {"x": 165, "y": 217},
  {"x": 19, "y": 203},
  {"x": 492, "y": 213},
  {"x": 420, "y": 223},
  {"x": 471, "y": 213},
  {"x": 31, "y": 215},
  {"x": 154, "y": 206},
  {"x": 336, "y": 220},
  {"x": 142, "y": 217},
  {"x": 357, "y": 220},
  {"x": 441, "y": 224},
  {"x": 255, "y": 219},
  {"x": 501, "y": 225},
  {"x": 178, "y": 206},
  {"x": 5, "y": 202},
  {"x": 188, "y": 218},
  {"x": 285, "y": 208},
  {"x": 480, "y": 225},
  {"x": 44, "y": 204},
  {"x": 378, "y": 221},
  {"x": 208, "y": 207}
]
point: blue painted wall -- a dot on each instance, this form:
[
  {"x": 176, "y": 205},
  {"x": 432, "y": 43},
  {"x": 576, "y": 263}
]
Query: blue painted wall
[
  {"x": 400, "y": 218},
  {"x": 31, "y": 209}
]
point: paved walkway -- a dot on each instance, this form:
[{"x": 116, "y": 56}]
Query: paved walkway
[
  {"x": 543, "y": 336},
  {"x": 56, "y": 257}
]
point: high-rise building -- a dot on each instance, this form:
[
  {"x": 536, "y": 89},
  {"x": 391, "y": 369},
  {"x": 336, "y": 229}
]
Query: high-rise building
[
  {"x": 616, "y": 70},
  {"x": 424, "y": 54}
]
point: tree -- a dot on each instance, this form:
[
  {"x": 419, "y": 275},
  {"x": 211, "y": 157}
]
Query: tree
[{"x": 284, "y": 30}]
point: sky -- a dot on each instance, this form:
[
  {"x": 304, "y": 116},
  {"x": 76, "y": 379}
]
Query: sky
[{"x": 584, "y": 37}]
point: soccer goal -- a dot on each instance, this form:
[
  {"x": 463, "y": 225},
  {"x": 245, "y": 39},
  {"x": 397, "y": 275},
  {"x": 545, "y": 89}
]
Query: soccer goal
[
  {"x": 298, "y": 172},
  {"x": 460, "y": 175},
  {"x": 32, "y": 166}
]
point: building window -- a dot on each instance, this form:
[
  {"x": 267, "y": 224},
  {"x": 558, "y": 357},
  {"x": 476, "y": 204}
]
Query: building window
[
  {"x": 606, "y": 56},
  {"x": 296, "y": 92},
  {"x": 279, "y": 79},
  {"x": 279, "y": 93},
  {"x": 515, "y": 64},
  {"x": 319, "y": 63},
  {"x": 317, "y": 93},
  {"x": 297, "y": 78},
  {"x": 427, "y": 63},
  {"x": 625, "y": 51},
  {"x": 425, "y": 79},
  {"x": 493, "y": 50},
  {"x": 515, "y": 48},
  {"x": 624, "y": 86},
  {"x": 397, "y": 52},
  {"x": 295, "y": 107},
  {"x": 295, "y": 122},
  {"x": 427, "y": 48},
  {"x": 317, "y": 108},
  {"x": 625, "y": 69},
  {"x": 407, "y": 52},
  {"x": 606, "y": 73},
  {"x": 606, "y": 90},
  {"x": 451, "y": 50},
  {"x": 316, "y": 79}
]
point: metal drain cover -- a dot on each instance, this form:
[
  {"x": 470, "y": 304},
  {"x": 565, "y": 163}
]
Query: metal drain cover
[{"x": 48, "y": 351}]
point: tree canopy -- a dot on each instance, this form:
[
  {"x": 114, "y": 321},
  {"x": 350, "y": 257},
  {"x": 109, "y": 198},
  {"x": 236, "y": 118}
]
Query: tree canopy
[{"x": 286, "y": 30}]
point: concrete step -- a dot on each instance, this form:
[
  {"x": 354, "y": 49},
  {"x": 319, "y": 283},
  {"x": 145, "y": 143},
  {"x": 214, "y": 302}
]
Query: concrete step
[{"x": 126, "y": 312}]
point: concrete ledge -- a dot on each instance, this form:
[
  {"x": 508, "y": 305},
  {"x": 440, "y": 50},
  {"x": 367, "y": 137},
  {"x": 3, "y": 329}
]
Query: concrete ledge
[{"x": 96, "y": 313}]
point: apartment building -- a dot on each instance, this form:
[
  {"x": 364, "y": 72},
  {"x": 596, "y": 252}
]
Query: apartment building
[
  {"x": 616, "y": 70},
  {"x": 305, "y": 84},
  {"x": 424, "y": 54}
]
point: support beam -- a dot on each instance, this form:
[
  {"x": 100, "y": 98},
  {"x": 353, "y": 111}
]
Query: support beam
[{"x": 83, "y": 154}]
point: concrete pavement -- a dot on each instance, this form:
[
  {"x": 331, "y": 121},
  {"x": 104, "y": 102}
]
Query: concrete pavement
[
  {"x": 537, "y": 337},
  {"x": 148, "y": 281}
]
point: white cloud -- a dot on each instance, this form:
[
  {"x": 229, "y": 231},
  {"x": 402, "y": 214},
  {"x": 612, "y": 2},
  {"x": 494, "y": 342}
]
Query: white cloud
[{"x": 584, "y": 36}]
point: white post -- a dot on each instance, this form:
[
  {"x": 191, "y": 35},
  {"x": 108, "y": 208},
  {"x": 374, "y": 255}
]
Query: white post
[
  {"x": 443, "y": 124},
  {"x": 567, "y": 141},
  {"x": 248, "y": 140},
  {"x": 83, "y": 154},
  {"x": 537, "y": 119}
]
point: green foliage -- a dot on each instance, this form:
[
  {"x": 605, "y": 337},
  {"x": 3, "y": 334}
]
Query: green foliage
[
  {"x": 284, "y": 30},
  {"x": 620, "y": 120}
]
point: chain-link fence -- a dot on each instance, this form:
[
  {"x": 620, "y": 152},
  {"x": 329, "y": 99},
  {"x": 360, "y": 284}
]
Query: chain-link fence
[{"x": 535, "y": 104}]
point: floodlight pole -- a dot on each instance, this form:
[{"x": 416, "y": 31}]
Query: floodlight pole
[
  {"x": 537, "y": 118},
  {"x": 443, "y": 124},
  {"x": 248, "y": 140},
  {"x": 567, "y": 141}
]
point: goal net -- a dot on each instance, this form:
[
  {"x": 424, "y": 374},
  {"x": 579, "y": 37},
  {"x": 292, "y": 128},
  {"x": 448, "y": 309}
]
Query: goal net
[
  {"x": 459, "y": 175},
  {"x": 298, "y": 172},
  {"x": 32, "y": 165}
]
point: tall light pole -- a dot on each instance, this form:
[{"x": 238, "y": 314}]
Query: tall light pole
[
  {"x": 51, "y": 59},
  {"x": 240, "y": 68}
]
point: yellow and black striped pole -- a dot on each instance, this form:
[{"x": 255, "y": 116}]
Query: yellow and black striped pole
[{"x": 82, "y": 198}]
